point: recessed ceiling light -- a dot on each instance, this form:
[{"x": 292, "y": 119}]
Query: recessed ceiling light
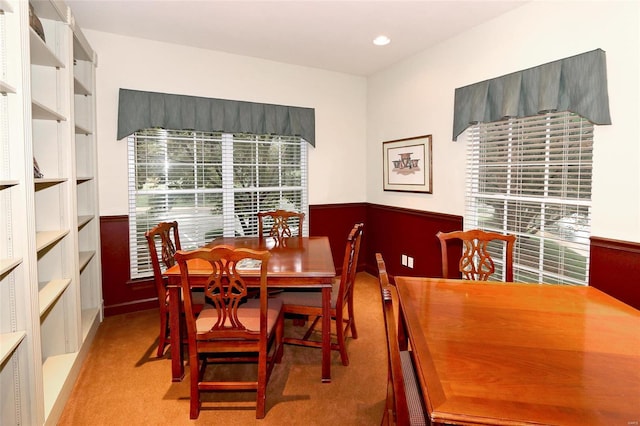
[{"x": 381, "y": 40}]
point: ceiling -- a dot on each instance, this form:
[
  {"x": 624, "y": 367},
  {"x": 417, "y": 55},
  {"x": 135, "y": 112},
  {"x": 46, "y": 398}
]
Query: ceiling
[{"x": 331, "y": 35}]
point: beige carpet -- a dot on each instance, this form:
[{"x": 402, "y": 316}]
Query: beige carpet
[{"x": 123, "y": 383}]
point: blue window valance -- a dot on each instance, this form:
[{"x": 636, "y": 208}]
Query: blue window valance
[
  {"x": 139, "y": 110},
  {"x": 577, "y": 84}
]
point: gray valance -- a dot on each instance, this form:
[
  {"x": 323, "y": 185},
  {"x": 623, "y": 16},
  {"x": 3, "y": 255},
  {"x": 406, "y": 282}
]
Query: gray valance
[
  {"x": 142, "y": 110},
  {"x": 577, "y": 84}
]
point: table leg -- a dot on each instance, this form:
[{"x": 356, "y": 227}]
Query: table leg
[
  {"x": 177, "y": 364},
  {"x": 326, "y": 335}
]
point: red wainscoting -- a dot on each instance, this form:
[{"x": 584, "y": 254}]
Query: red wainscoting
[
  {"x": 392, "y": 231},
  {"x": 395, "y": 231},
  {"x": 120, "y": 294},
  {"x": 336, "y": 221},
  {"x": 615, "y": 269}
]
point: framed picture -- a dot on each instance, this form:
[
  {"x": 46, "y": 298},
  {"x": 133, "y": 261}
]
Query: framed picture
[{"x": 407, "y": 164}]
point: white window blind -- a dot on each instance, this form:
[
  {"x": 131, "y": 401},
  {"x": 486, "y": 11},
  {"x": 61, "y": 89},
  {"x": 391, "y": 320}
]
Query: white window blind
[
  {"x": 531, "y": 177},
  {"x": 213, "y": 184}
]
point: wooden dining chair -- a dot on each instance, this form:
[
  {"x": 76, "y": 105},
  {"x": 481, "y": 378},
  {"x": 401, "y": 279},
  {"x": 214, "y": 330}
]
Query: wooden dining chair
[
  {"x": 404, "y": 404},
  {"x": 165, "y": 236},
  {"x": 476, "y": 262},
  {"x": 235, "y": 328},
  {"x": 279, "y": 224},
  {"x": 309, "y": 303}
]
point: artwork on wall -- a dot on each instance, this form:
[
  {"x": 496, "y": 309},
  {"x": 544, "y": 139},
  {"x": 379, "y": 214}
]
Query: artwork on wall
[{"x": 407, "y": 165}]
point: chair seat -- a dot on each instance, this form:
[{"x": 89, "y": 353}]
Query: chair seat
[
  {"x": 248, "y": 314},
  {"x": 311, "y": 298},
  {"x": 414, "y": 398}
]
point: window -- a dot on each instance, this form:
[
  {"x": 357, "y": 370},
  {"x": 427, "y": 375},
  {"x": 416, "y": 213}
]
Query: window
[
  {"x": 532, "y": 177},
  {"x": 213, "y": 184}
]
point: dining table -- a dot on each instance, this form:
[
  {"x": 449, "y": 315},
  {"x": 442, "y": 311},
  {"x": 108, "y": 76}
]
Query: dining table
[
  {"x": 491, "y": 353},
  {"x": 297, "y": 262}
]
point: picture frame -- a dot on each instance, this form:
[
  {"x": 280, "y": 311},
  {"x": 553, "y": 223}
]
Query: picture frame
[{"x": 407, "y": 165}]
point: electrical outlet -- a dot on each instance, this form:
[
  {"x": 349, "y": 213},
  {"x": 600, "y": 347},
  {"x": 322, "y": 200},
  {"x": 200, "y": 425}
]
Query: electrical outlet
[
  {"x": 404, "y": 260},
  {"x": 410, "y": 262}
]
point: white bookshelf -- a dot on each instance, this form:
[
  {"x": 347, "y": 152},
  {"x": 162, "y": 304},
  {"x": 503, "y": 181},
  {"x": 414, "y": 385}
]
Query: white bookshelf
[
  {"x": 50, "y": 277},
  {"x": 6, "y": 88},
  {"x": 8, "y": 344},
  {"x": 42, "y": 112},
  {"x": 86, "y": 153}
]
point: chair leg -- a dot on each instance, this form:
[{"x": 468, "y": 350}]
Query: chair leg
[
  {"x": 194, "y": 373},
  {"x": 340, "y": 332},
  {"x": 385, "y": 417},
  {"x": 162, "y": 338},
  {"x": 262, "y": 386},
  {"x": 261, "y": 403},
  {"x": 388, "y": 415},
  {"x": 352, "y": 321}
]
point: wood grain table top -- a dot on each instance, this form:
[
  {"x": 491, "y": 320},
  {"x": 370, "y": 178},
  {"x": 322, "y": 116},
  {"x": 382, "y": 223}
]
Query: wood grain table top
[
  {"x": 303, "y": 262},
  {"x": 513, "y": 354}
]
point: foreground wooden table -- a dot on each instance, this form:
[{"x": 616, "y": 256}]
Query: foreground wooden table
[
  {"x": 514, "y": 354},
  {"x": 304, "y": 262}
]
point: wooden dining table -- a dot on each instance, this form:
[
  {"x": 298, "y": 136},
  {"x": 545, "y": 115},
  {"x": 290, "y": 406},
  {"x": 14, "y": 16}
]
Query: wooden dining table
[
  {"x": 516, "y": 354},
  {"x": 304, "y": 263}
]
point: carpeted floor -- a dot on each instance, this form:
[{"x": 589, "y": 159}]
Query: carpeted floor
[{"x": 123, "y": 383}]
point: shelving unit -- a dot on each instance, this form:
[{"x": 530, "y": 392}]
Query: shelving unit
[
  {"x": 50, "y": 285},
  {"x": 88, "y": 219}
]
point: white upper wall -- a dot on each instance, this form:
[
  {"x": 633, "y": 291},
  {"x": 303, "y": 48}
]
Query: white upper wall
[
  {"x": 416, "y": 97},
  {"x": 339, "y": 101},
  {"x": 354, "y": 116}
]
